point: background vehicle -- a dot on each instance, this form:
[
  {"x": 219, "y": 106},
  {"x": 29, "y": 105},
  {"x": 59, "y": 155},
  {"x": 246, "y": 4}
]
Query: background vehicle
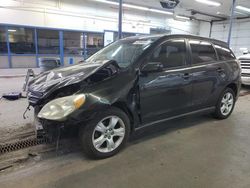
[
  {"x": 134, "y": 83},
  {"x": 245, "y": 68}
]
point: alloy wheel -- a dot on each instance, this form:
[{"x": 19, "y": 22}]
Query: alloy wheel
[
  {"x": 108, "y": 134},
  {"x": 227, "y": 104}
]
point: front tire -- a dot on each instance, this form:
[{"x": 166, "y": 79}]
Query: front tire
[
  {"x": 106, "y": 134},
  {"x": 225, "y": 104}
]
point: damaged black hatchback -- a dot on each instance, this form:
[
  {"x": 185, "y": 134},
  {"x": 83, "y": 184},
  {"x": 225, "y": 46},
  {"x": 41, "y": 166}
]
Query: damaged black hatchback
[{"x": 134, "y": 83}]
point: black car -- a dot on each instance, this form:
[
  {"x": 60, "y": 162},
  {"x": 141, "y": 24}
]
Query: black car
[{"x": 134, "y": 83}]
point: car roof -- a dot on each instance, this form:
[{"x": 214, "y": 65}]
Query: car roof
[{"x": 164, "y": 37}]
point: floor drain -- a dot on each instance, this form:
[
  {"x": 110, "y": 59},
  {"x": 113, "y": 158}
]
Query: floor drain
[{"x": 8, "y": 147}]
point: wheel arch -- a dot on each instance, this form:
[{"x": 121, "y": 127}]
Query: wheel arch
[
  {"x": 124, "y": 107},
  {"x": 234, "y": 87}
]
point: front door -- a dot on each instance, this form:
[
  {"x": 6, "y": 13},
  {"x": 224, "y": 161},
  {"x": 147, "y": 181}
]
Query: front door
[{"x": 166, "y": 92}]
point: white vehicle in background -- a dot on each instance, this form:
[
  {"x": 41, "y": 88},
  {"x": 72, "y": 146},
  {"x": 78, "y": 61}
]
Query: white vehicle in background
[{"x": 245, "y": 68}]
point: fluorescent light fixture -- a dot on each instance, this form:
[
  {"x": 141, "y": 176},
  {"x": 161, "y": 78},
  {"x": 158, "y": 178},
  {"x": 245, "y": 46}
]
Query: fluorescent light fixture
[
  {"x": 241, "y": 13},
  {"x": 11, "y": 30},
  {"x": 243, "y": 8},
  {"x": 107, "y": 2},
  {"x": 7, "y": 3},
  {"x": 160, "y": 11},
  {"x": 182, "y": 17},
  {"x": 135, "y": 7},
  {"x": 208, "y": 2}
]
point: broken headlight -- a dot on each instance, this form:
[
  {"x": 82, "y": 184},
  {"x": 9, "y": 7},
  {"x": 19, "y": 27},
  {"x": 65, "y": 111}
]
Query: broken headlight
[{"x": 59, "y": 108}]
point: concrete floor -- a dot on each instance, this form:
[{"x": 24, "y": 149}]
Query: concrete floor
[
  {"x": 192, "y": 152},
  {"x": 11, "y": 112}
]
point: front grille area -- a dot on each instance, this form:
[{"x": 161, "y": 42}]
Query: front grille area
[
  {"x": 245, "y": 74},
  {"x": 245, "y": 63}
]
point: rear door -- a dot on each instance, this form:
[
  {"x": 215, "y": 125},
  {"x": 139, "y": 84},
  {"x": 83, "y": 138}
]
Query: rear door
[
  {"x": 206, "y": 73},
  {"x": 167, "y": 92}
]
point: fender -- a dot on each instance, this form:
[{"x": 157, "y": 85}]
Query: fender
[{"x": 93, "y": 104}]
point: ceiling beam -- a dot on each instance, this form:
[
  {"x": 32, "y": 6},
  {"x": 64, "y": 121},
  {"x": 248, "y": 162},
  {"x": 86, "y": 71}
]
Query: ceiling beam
[{"x": 220, "y": 18}]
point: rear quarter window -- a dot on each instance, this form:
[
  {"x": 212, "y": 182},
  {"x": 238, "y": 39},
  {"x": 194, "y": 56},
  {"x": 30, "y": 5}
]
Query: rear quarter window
[
  {"x": 202, "y": 52},
  {"x": 224, "y": 53}
]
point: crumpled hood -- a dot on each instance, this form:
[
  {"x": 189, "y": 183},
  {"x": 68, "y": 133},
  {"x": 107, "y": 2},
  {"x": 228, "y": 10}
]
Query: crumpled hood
[{"x": 64, "y": 76}]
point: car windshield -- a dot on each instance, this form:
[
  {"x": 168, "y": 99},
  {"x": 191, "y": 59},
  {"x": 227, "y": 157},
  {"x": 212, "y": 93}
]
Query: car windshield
[{"x": 124, "y": 52}]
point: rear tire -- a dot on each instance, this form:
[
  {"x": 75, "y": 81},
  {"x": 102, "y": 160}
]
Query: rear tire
[
  {"x": 225, "y": 104},
  {"x": 106, "y": 134}
]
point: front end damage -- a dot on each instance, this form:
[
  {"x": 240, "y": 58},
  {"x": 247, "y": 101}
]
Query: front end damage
[{"x": 97, "y": 82}]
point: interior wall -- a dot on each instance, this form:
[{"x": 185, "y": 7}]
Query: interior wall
[
  {"x": 87, "y": 15},
  {"x": 204, "y": 29},
  {"x": 183, "y": 27},
  {"x": 240, "y": 34}
]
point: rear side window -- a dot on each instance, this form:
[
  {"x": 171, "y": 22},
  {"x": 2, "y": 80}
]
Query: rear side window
[
  {"x": 171, "y": 54},
  {"x": 224, "y": 53},
  {"x": 202, "y": 52}
]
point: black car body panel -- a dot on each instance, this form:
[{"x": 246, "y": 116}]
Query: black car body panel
[
  {"x": 145, "y": 97},
  {"x": 54, "y": 80}
]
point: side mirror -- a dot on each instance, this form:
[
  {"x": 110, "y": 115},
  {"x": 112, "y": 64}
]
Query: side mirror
[{"x": 152, "y": 67}]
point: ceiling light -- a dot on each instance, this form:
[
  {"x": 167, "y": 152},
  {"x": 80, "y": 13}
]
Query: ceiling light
[
  {"x": 107, "y": 2},
  {"x": 135, "y": 7},
  {"x": 11, "y": 30},
  {"x": 208, "y": 2},
  {"x": 8, "y": 3},
  {"x": 241, "y": 13},
  {"x": 182, "y": 17},
  {"x": 160, "y": 11},
  {"x": 243, "y": 8}
]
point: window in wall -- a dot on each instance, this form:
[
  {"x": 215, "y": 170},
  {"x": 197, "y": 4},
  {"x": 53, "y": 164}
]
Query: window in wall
[
  {"x": 170, "y": 54},
  {"x": 124, "y": 35},
  {"x": 224, "y": 53},
  {"x": 202, "y": 52},
  {"x": 156, "y": 31},
  {"x": 21, "y": 40},
  {"x": 48, "y": 41},
  {"x": 94, "y": 42},
  {"x": 3, "y": 44},
  {"x": 73, "y": 43}
]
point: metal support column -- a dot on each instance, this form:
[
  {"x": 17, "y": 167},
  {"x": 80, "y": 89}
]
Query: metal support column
[
  {"x": 85, "y": 50},
  {"x": 8, "y": 46},
  {"x": 61, "y": 48},
  {"x": 36, "y": 46},
  {"x": 211, "y": 28},
  {"x": 120, "y": 20},
  {"x": 231, "y": 22}
]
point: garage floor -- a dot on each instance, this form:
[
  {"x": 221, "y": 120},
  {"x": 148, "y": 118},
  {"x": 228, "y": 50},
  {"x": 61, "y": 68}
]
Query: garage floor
[
  {"x": 192, "y": 152},
  {"x": 11, "y": 112}
]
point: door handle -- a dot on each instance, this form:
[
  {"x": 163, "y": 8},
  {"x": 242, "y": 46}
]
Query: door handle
[{"x": 186, "y": 76}]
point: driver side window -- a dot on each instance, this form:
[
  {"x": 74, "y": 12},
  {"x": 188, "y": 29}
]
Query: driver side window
[{"x": 170, "y": 54}]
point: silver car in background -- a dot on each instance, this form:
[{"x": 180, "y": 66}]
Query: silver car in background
[{"x": 245, "y": 69}]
